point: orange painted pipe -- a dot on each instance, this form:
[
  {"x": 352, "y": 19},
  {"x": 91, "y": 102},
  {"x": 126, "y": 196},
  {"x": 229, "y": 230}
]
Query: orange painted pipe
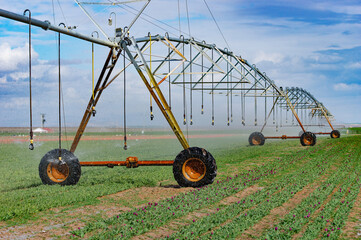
[
  {"x": 124, "y": 163},
  {"x": 156, "y": 163},
  {"x": 282, "y": 137},
  {"x": 104, "y": 163}
]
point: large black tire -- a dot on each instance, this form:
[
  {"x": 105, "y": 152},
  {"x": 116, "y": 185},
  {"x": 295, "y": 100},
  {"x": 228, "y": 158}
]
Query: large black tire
[
  {"x": 194, "y": 167},
  {"x": 308, "y": 139},
  {"x": 335, "y": 134},
  {"x": 256, "y": 138},
  {"x": 51, "y": 172}
]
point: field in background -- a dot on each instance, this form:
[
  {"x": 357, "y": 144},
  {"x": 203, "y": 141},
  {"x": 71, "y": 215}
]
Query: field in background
[
  {"x": 294, "y": 178},
  {"x": 355, "y": 130}
]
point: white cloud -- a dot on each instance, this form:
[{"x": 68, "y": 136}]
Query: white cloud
[
  {"x": 355, "y": 65},
  {"x": 12, "y": 58},
  {"x": 3, "y": 79},
  {"x": 19, "y": 75},
  {"x": 339, "y": 7},
  {"x": 347, "y": 87},
  {"x": 16, "y": 103},
  {"x": 270, "y": 57}
]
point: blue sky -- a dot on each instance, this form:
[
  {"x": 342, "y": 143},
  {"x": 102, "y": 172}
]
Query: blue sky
[{"x": 310, "y": 44}]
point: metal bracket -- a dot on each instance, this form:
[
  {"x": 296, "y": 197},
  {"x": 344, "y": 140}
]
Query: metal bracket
[{"x": 132, "y": 162}]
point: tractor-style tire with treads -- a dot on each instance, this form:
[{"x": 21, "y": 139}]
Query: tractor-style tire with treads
[
  {"x": 256, "y": 138},
  {"x": 194, "y": 167},
  {"x": 335, "y": 134},
  {"x": 52, "y": 171},
  {"x": 308, "y": 139}
]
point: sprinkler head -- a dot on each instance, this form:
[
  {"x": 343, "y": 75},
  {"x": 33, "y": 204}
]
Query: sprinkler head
[
  {"x": 125, "y": 147},
  {"x": 31, "y": 146}
]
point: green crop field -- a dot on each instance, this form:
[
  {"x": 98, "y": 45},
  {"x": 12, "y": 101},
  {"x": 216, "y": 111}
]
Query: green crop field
[
  {"x": 277, "y": 191},
  {"x": 355, "y": 130}
]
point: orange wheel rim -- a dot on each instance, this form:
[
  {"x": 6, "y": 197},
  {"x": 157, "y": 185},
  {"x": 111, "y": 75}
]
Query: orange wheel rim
[
  {"x": 308, "y": 140},
  {"x": 256, "y": 140},
  {"x": 334, "y": 135},
  {"x": 57, "y": 173},
  {"x": 194, "y": 170}
]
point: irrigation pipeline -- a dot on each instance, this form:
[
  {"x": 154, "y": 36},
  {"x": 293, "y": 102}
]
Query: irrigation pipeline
[
  {"x": 46, "y": 25},
  {"x": 131, "y": 162},
  {"x": 261, "y": 87}
]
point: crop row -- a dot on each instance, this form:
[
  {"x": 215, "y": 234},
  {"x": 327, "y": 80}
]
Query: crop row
[
  {"x": 156, "y": 214},
  {"x": 231, "y": 211},
  {"x": 344, "y": 185},
  {"x": 294, "y": 221},
  {"x": 252, "y": 214}
]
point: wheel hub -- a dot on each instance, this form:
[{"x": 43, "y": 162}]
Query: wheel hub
[
  {"x": 57, "y": 172},
  {"x": 256, "y": 140},
  {"x": 194, "y": 169},
  {"x": 308, "y": 140}
]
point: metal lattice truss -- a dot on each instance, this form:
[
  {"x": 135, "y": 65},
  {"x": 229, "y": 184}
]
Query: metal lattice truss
[
  {"x": 302, "y": 99},
  {"x": 202, "y": 66},
  {"x": 198, "y": 66}
]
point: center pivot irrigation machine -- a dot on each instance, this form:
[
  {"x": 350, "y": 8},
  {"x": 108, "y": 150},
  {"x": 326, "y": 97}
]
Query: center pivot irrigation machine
[
  {"x": 163, "y": 61},
  {"x": 304, "y": 108}
]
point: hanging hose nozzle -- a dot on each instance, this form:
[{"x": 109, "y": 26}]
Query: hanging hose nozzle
[
  {"x": 94, "y": 111},
  {"x": 151, "y": 113},
  {"x": 31, "y": 145},
  {"x": 191, "y": 123},
  {"x": 202, "y": 111},
  {"x": 212, "y": 121},
  {"x": 61, "y": 161},
  {"x": 125, "y": 143}
]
